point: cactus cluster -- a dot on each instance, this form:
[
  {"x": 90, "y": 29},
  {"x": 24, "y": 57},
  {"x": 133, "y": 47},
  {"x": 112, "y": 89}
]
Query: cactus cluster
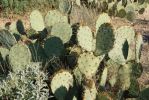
[{"x": 78, "y": 60}]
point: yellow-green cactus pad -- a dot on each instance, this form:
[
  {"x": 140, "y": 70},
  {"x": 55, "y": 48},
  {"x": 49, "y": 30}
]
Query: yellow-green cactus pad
[
  {"x": 62, "y": 31},
  {"x": 53, "y": 17},
  {"x": 36, "y": 20},
  {"x": 60, "y": 84},
  {"x": 19, "y": 56},
  {"x": 85, "y": 38}
]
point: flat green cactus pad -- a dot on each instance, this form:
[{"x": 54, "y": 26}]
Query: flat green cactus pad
[
  {"x": 60, "y": 84},
  {"x": 19, "y": 56},
  {"x": 36, "y": 20},
  {"x": 125, "y": 76},
  {"x": 53, "y": 46},
  {"x": 124, "y": 36},
  {"x": 54, "y": 17},
  {"x": 62, "y": 31},
  {"x": 4, "y": 52},
  {"x": 64, "y": 6},
  {"x": 113, "y": 68},
  {"x": 104, "y": 77},
  {"x": 7, "y": 39},
  {"x": 85, "y": 38},
  {"x": 88, "y": 64},
  {"x": 104, "y": 39}
]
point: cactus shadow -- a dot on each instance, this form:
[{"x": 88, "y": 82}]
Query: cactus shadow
[{"x": 144, "y": 95}]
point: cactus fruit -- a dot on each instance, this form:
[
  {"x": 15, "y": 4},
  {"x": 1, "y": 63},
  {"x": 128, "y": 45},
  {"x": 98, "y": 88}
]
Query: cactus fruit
[
  {"x": 56, "y": 49},
  {"x": 4, "y": 52},
  {"x": 104, "y": 39},
  {"x": 54, "y": 17},
  {"x": 65, "y": 6},
  {"x": 62, "y": 31},
  {"x": 19, "y": 56},
  {"x": 85, "y": 38},
  {"x": 90, "y": 90},
  {"x": 123, "y": 36},
  {"x": 7, "y": 39},
  {"x": 103, "y": 18},
  {"x": 88, "y": 64},
  {"x": 113, "y": 68},
  {"x": 60, "y": 84},
  {"x": 36, "y": 20}
]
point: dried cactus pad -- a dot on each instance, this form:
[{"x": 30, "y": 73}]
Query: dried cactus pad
[
  {"x": 60, "y": 84},
  {"x": 62, "y": 31},
  {"x": 103, "y": 18},
  {"x": 19, "y": 56},
  {"x": 53, "y": 17},
  {"x": 90, "y": 91},
  {"x": 123, "y": 35},
  {"x": 104, "y": 39},
  {"x": 88, "y": 64},
  {"x": 85, "y": 38},
  {"x": 4, "y": 52},
  {"x": 36, "y": 20},
  {"x": 7, "y": 39}
]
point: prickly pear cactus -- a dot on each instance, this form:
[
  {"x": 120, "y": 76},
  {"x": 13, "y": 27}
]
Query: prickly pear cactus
[
  {"x": 85, "y": 38},
  {"x": 36, "y": 20},
  {"x": 65, "y": 6},
  {"x": 19, "y": 56},
  {"x": 113, "y": 68},
  {"x": 104, "y": 39},
  {"x": 4, "y": 52},
  {"x": 125, "y": 76},
  {"x": 88, "y": 64},
  {"x": 53, "y": 46},
  {"x": 7, "y": 39},
  {"x": 53, "y": 17},
  {"x": 90, "y": 90},
  {"x": 104, "y": 77},
  {"x": 124, "y": 36},
  {"x": 103, "y": 18},
  {"x": 62, "y": 31},
  {"x": 60, "y": 84},
  {"x": 139, "y": 42}
]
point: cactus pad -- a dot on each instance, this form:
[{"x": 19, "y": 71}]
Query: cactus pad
[
  {"x": 60, "y": 84},
  {"x": 124, "y": 36},
  {"x": 7, "y": 39},
  {"x": 54, "y": 17},
  {"x": 88, "y": 64},
  {"x": 90, "y": 90},
  {"x": 19, "y": 56},
  {"x": 64, "y": 6},
  {"x": 85, "y": 38},
  {"x": 62, "y": 31},
  {"x": 53, "y": 46},
  {"x": 104, "y": 39},
  {"x": 4, "y": 52},
  {"x": 103, "y": 18},
  {"x": 36, "y": 20}
]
